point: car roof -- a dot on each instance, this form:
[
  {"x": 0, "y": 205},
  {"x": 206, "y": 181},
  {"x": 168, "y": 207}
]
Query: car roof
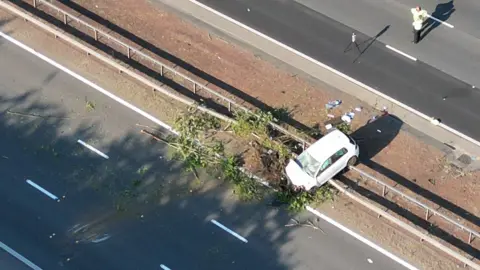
[{"x": 328, "y": 145}]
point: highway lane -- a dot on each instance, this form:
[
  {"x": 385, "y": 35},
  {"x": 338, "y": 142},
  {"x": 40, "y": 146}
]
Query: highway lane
[
  {"x": 453, "y": 51},
  {"x": 318, "y": 36},
  {"x": 136, "y": 204},
  {"x": 464, "y": 17}
]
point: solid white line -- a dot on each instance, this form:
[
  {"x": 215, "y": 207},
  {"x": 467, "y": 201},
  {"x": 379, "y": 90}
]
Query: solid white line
[
  {"x": 400, "y": 52},
  {"x": 92, "y": 148},
  {"x": 19, "y": 256},
  {"x": 442, "y": 22},
  {"x": 87, "y": 82},
  {"x": 378, "y": 93},
  {"x": 160, "y": 123},
  {"x": 164, "y": 267},
  {"x": 361, "y": 238},
  {"x": 44, "y": 191},
  {"x": 229, "y": 231}
]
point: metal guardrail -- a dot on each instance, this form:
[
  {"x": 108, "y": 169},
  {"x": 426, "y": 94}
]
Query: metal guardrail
[
  {"x": 197, "y": 86},
  {"x": 472, "y": 234},
  {"x": 130, "y": 51}
]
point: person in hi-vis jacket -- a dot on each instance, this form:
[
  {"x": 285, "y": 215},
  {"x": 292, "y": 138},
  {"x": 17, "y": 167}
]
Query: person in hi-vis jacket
[{"x": 419, "y": 17}]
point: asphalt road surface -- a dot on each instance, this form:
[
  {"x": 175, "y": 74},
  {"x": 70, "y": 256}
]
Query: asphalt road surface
[
  {"x": 133, "y": 210},
  {"x": 322, "y": 29}
]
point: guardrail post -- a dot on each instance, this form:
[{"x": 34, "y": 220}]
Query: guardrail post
[
  {"x": 35, "y": 3},
  {"x": 229, "y": 106},
  {"x": 95, "y": 33},
  {"x": 194, "y": 88},
  {"x": 469, "y": 238},
  {"x": 383, "y": 191},
  {"x": 161, "y": 70},
  {"x": 426, "y": 215},
  {"x": 128, "y": 52},
  {"x": 64, "y": 18}
]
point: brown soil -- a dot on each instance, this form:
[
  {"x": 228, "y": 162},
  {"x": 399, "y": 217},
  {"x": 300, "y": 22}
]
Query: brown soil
[
  {"x": 405, "y": 158},
  {"x": 405, "y": 155}
]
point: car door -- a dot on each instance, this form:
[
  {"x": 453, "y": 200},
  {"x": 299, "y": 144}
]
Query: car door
[{"x": 332, "y": 166}]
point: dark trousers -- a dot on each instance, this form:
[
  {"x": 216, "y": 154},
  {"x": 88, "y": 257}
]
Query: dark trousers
[{"x": 416, "y": 35}]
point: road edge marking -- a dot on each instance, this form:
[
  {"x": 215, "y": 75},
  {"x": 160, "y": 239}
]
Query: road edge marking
[
  {"x": 401, "y": 53},
  {"x": 100, "y": 153},
  {"x": 87, "y": 82},
  {"x": 338, "y": 73},
  {"x": 41, "y": 189},
  {"x": 361, "y": 238},
  {"x": 241, "y": 238},
  {"x": 19, "y": 257}
]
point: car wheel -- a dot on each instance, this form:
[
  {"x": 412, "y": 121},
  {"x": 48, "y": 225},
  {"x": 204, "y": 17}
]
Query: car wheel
[{"x": 352, "y": 161}]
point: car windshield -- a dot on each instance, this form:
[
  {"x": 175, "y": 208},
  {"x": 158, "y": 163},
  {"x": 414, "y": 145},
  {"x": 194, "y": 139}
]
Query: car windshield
[{"x": 308, "y": 163}]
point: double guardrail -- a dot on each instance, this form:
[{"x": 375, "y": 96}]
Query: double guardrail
[{"x": 196, "y": 86}]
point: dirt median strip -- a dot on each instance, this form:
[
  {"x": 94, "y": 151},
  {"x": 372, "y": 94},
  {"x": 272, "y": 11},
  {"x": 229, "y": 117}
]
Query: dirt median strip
[{"x": 102, "y": 79}]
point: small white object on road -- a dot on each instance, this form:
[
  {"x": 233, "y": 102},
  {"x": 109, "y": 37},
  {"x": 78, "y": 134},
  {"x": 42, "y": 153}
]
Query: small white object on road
[
  {"x": 44, "y": 191},
  {"x": 92, "y": 148},
  {"x": 440, "y": 21},
  {"x": 329, "y": 126},
  {"x": 19, "y": 257},
  {"x": 369, "y": 260},
  {"x": 361, "y": 238},
  {"x": 229, "y": 231},
  {"x": 248, "y": 9},
  {"x": 164, "y": 267},
  {"x": 400, "y": 52}
]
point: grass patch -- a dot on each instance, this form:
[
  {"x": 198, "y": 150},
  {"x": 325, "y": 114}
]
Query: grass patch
[
  {"x": 298, "y": 200},
  {"x": 143, "y": 170},
  {"x": 90, "y": 106},
  {"x": 344, "y": 127},
  {"x": 248, "y": 123}
]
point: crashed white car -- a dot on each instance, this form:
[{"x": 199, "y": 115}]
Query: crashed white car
[{"x": 323, "y": 160}]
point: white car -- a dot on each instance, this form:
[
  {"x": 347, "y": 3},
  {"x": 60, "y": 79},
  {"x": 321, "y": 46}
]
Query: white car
[{"x": 323, "y": 160}]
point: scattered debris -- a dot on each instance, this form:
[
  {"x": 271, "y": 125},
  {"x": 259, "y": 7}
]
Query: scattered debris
[
  {"x": 329, "y": 126},
  {"x": 435, "y": 121},
  {"x": 330, "y": 115},
  {"x": 5, "y": 157},
  {"x": 348, "y": 117},
  {"x": 431, "y": 180},
  {"x": 308, "y": 223},
  {"x": 90, "y": 106},
  {"x": 333, "y": 104},
  {"x": 34, "y": 115},
  {"x": 358, "y": 109}
]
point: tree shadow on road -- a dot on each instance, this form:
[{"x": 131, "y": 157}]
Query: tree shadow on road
[
  {"x": 244, "y": 97},
  {"x": 137, "y": 204}
]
